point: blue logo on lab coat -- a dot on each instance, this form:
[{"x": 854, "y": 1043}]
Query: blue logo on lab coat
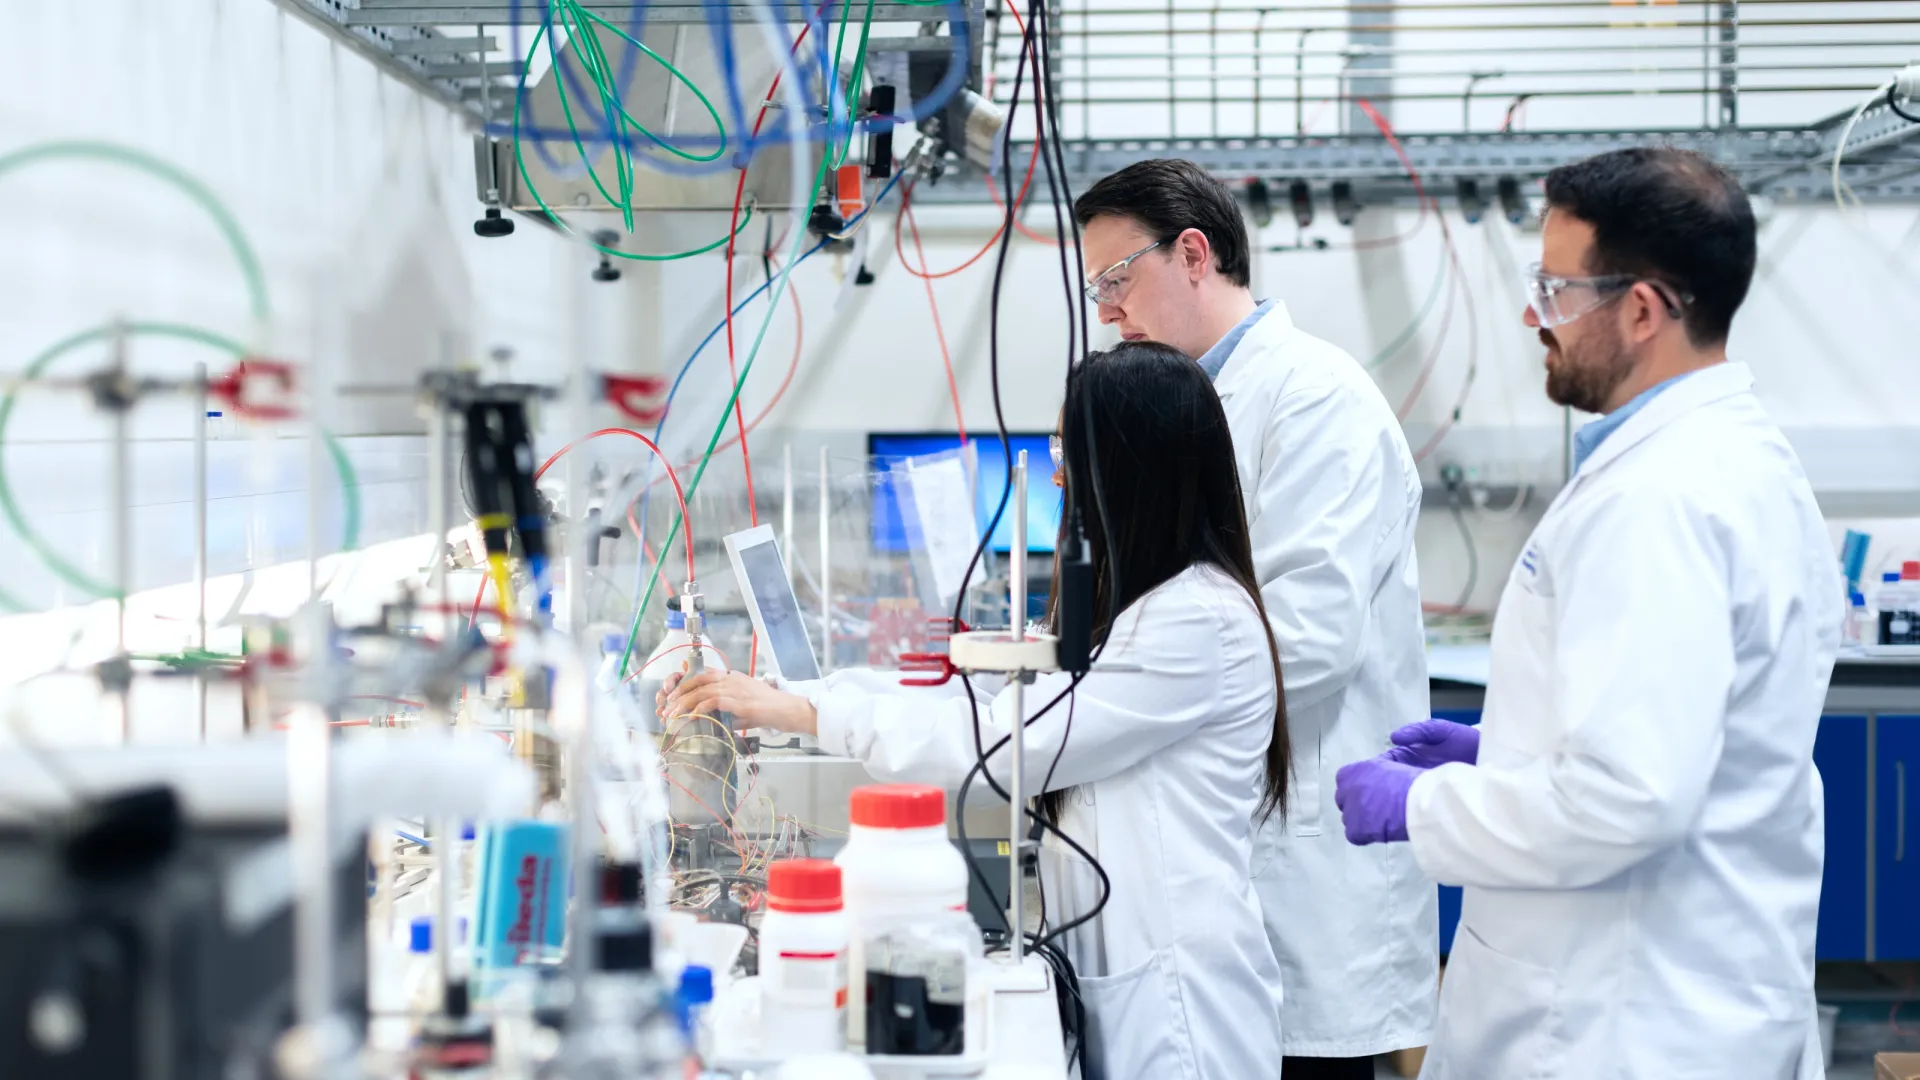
[{"x": 1530, "y": 560}]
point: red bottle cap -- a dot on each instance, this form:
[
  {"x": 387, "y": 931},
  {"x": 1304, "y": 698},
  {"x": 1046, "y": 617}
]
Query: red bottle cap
[
  {"x": 803, "y": 886},
  {"x": 1910, "y": 571},
  {"x": 899, "y": 806}
]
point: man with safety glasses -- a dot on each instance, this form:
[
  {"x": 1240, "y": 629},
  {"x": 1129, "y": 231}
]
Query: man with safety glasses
[
  {"x": 1637, "y": 818},
  {"x": 1332, "y": 498}
]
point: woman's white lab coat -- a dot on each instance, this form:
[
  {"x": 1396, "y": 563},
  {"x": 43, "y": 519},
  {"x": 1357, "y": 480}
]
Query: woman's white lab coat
[
  {"x": 1641, "y": 840},
  {"x": 1332, "y": 498},
  {"x": 1165, "y": 766}
]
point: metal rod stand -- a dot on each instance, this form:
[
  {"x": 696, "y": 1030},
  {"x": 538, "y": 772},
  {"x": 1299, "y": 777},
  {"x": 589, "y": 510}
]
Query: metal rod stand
[
  {"x": 200, "y": 638},
  {"x": 1017, "y": 621}
]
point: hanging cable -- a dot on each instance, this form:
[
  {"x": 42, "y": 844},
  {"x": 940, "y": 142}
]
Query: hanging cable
[
  {"x": 939, "y": 332},
  {"x": 679, "y": 494},
  {"x": 1452, "y": 418},
  {"x": 520, "y": 162},
  {"x": 801, "y": 195}
]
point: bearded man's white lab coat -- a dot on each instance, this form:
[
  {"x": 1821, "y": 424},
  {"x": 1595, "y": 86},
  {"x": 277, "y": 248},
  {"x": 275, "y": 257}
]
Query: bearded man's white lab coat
[
  {"x": 1641, "y": 839},
  {"x": 1332, "y": 497}
]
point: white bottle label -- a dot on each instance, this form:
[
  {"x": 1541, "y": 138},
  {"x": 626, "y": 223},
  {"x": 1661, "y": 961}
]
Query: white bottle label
[{"x": 813, "y": 979}]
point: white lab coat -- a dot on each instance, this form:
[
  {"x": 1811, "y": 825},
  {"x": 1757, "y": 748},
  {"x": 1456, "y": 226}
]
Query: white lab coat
[
  {"x": 1165, "y": 766},
  {"x": 1332, "y": 497},
  {"x": 1641, "y": 840}
]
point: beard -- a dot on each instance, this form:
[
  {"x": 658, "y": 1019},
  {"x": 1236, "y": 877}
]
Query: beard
[{"x": 1587, "y": 375}]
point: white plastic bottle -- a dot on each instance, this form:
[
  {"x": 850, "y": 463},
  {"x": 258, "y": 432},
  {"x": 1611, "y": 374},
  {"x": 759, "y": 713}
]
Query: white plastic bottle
[
  {"x": 671, "y": 655},
  {"x": 1894, "y": 604},
  {"x": 1858, "y": 629},
  {"x": 672, "y": 651},
  {"x": 613, "y": 649},
  {"x": 897, "y": 863},
  {"x": 803, "y": 960},
  {"x": 423, "y": 987}
]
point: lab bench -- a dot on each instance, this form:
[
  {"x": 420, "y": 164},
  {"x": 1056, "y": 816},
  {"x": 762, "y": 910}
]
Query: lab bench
[{"x": 1868, "y": 753}]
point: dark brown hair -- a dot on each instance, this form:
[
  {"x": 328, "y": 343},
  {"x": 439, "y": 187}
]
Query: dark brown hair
[
  {"x": 1148, "y": 417},
  {"x": 1168, "y": 196}
]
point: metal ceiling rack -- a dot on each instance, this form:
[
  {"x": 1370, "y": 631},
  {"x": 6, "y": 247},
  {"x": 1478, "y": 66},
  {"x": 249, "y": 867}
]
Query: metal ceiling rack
[
  {"x": 449, "y": 49},
  {"x": 1230, "y": 83},
  {"x": 1204, "y": 68}
]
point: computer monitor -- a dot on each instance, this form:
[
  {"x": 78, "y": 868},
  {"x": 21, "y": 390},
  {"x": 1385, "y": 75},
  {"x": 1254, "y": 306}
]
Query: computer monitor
[
  {"x": 771, "y": 604},
  {"x": 890, "y": 532}
]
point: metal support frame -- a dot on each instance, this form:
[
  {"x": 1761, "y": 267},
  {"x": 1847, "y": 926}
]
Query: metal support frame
[
  {"x": 407, "y": 40},
  {"x": 1017, "y": 688},
  {"x": 1785, "y": 164},
  {"x": 1729, "y": 64}
]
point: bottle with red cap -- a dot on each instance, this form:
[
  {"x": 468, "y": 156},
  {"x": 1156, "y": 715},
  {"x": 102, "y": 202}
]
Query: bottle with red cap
[
  {"x": 1899, "y": 603},
  {"x": 898, "y": 866},
  {"x": 803, "y": 960}
]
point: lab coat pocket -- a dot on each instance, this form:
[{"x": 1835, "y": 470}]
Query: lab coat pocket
[
  {"x": 1304, "y": 794},
  {"x": 1499, "y": 1017},
  {"x": 1136, "y": 1028}
]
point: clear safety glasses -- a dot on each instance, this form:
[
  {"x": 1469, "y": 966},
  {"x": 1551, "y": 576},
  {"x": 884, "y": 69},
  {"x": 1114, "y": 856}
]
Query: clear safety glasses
[
  {"x": 1557, "y": 301},
  {"x": 1110, "y": 287},
  {"x": 1057, "y": 451}
]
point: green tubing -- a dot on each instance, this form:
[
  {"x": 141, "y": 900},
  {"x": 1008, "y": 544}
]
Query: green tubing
[
  {"x": 120, "y": 155},
  {"x": 1426, "y": 309},
  {"x": 349, "y": 491},
  {"x": 726, "y": 413},
  {"x": 859, "y": 70},
  {"x": 10, "y": 507},
  {"x": 520, "y": 161},
  {"x": 583, "y": 32}
]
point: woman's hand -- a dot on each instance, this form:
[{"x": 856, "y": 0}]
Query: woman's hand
[{"x": 753, "y": 703}]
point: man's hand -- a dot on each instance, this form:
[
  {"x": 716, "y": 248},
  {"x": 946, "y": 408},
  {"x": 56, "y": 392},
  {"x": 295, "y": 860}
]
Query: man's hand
[
  {"x": 752, "y": 703},
  {"x": 1429, "y": 743},
  {"x": 1372, "y": 797}
]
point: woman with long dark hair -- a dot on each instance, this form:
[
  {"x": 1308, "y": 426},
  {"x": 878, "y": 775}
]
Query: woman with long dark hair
[{"x": 1158, "y": 767}]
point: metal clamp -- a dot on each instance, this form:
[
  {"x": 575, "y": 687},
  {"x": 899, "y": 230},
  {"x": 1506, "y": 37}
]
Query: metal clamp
[
  {"x": 637, "y": 397},
  {"x": 939, "y": 663},
  {"x": 943, "y": 627},
  {"x": 238, "y": 389}
]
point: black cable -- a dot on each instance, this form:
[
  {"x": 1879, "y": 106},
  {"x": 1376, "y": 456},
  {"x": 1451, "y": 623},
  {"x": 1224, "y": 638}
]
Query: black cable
[
  {"x": 981, "y": 754},
  {"x": 1076, "y": 297},
  {"x": 1056, "y": 176},
  {"x": 979, "y": 767},
  {"x": 1046, "y": 786},
  {"x": 1892, "y": 96},
  {"x": 1067, "y": 981}
]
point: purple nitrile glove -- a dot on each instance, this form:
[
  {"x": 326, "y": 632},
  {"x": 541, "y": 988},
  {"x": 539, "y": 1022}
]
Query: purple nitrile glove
[
  {"x": 1427, "y": 743},
  {"x": 1372, "y": 797}
]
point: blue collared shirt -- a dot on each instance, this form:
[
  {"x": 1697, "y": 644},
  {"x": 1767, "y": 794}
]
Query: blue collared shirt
[
  {"x": 1591, "y": 435},
  {"x": 1216, "y": 358}
]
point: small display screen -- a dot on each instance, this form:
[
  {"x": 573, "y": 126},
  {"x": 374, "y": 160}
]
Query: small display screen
[
  {"x": 890, "y": 532},
  {"x": 780, "y": 616}
]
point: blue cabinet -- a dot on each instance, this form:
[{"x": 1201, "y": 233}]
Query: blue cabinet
[
  {"x": 1896, "y": 832},
  {"x": 1840, "y": 753}
]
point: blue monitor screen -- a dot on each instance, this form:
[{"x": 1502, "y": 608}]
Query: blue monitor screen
[{"x": 1043, "y": 499}]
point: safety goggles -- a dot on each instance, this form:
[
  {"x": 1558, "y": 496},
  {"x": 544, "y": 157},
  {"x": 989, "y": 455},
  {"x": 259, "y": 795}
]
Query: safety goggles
[
  {"x": 1111, "y": 286},
  {"x": 1557, "y": 301},
  {"x": 1057, "y": 451}
]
